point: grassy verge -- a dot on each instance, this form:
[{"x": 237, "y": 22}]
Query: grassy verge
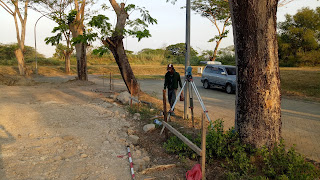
[{"x": 301, "y": 83}]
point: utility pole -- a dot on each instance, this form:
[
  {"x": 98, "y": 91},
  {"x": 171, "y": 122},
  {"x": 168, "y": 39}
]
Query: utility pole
[{"x": 187, "y": 62}]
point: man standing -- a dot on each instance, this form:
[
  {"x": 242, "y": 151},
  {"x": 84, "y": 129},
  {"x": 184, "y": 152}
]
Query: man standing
[{"x": 172, "y": 78}]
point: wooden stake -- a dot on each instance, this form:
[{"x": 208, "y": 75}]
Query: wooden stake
[
  {"x": 131, "y": 92},
  {"x": 110, "y": 82},
  {"x": 139, "y": 98},
  {"x": 203, "y": 147},
  {"x": 103, "y": 79},
  {"x": 165, "y": 112}
]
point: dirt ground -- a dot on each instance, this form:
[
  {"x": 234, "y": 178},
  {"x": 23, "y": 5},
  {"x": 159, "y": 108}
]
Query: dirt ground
[{"x": 62, "y": 129}]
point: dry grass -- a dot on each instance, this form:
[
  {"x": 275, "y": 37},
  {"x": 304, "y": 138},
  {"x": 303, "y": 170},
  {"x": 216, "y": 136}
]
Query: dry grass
[{"x": 301, "y": 82}]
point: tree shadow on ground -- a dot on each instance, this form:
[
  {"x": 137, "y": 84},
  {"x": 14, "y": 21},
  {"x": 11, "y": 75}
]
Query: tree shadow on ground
[{"x": 5, "y": 138}]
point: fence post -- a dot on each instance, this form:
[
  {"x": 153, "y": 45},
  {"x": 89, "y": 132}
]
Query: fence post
[
  {"x": 165, "y": 112},
  {"x": 203, "y": 147},
  {"x": 103, "y": 79},
  {"x": 110, "y": 82}
]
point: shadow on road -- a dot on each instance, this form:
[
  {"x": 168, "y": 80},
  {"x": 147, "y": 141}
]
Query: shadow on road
[{"x": 5, "y": 138}]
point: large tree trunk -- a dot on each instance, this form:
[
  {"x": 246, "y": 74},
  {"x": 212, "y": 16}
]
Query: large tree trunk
[
  {"x": 77, "y": 28},
  {"x": 21, "y": 63},
  {"x": 67, "y": 61},
  {"x": 115, "y": 44},
  {"x": 81, "y": 54},
  {"x": 121, "y": 58},
  {"x": 258, "y": 118}
]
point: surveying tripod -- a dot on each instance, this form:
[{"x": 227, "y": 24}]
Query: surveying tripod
[{"x": 194, "y": 87}]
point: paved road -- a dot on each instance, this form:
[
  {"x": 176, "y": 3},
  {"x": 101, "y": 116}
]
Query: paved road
[{"x": 300, "y": 119}]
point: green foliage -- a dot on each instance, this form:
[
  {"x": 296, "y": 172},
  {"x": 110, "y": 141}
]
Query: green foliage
[
  {"x": 243, "y": 161},
  {"x": 175, "y": 146},
  {"x": 176, "y": 53},
  {"x": 7, "y": 56},
  {"x": 227, "y": 59},
  {"x": 136, "y": 27},
  {"x": 286, "y": 164},
  {"x": 299, "y": 37},
  {"x": 60, "y": 51}
]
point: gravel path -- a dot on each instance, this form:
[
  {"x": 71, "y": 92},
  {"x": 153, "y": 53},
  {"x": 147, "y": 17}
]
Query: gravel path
[{"x": 63, "y": 131}]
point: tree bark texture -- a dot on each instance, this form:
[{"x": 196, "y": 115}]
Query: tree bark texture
[
  {"x": 115, "y": 44},
  {"x": 258, "y": 115},
  {"x": 81, "y": 54},
  {"x": 20, "y": 37},
  {"x": 67, "y": 54},
  {"x": 77, "y": 28},
  {"x": 21, "y": 63}
]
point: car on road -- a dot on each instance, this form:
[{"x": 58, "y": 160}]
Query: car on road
[{"x": 222, "y": 76}]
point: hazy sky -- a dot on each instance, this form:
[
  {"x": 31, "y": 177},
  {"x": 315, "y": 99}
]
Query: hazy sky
[{"x": 169, "y": 30}]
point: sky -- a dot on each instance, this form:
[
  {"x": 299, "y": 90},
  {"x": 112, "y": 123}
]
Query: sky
[{"x": 171, "y": 27}]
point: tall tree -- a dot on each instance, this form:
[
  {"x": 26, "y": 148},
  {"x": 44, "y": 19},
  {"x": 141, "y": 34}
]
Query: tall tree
[
  {"x": 218, "y": 13},
  {"x": 113, "y": 38},
  {"x": 78, "y": 31},
  {"x": 299, "y": 37},
  {"x": 58, "y": 11},
  {"x": 20, "y": 29},
  {"x": 258, "y": 84}
]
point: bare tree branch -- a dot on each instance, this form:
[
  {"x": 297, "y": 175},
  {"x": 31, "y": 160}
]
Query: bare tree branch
[
  {"x": 115, "y": 6},
  {"x": 5, "y": 7}
]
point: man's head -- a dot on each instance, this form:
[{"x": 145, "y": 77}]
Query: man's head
[{"x": 170, "y": 68}]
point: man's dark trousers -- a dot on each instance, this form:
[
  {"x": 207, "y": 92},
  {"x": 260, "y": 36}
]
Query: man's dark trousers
[{"x": 171, "y": 96}]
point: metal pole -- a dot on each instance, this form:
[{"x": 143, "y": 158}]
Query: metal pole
[
  {"x": 35, "y": 41},
  {"x": 187, "y": 60}
]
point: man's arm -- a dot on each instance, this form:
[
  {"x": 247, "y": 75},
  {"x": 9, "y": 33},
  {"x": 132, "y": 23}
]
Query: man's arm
[{"x": 179, "y": 80}]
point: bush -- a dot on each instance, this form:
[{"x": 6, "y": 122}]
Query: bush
[
  {"x": 243, "y": 161},
  {"x": 227, "y": 59}
]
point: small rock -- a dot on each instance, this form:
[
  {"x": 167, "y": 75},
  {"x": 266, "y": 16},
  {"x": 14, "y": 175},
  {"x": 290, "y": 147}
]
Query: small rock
[
  {"x": 60, "y": 151},
  {"x": 149, "y": 127},
  {"x": 151, "y": 110},
  {"x": 134, "y": 139},
  {"x": 19, "y": 135},
  {"x": 146, "y": 159},
  {"x": 123, "y": 115},
  {"x": 57, "y": 158},
  {"x": 131, "y": 131},
  {"x": 124, "y": 97},
  {"x": 30, "y": 135},
  {"x": 136, "y": 116},
  {"x": 67, "y": 137},
  {"x": 140, "y": 165},
  {"x": 83, "y": 155},
  {"x": 137, "y": 154},
  {"x": 117, "y": 113}
]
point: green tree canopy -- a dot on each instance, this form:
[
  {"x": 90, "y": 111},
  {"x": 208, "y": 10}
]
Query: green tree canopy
[
  {"x": 299, "y": 38},
  {"x": 176, "y": 53}
]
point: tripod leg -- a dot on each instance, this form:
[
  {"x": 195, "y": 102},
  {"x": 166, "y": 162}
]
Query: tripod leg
[
  {"x": 174, "y": 104},
  {"x": 200, "y": 100},
  {"x": 191, "y": 104}
]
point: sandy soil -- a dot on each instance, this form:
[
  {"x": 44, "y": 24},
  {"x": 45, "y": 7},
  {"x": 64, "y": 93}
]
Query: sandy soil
[{"x": 68, "y": 130}]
